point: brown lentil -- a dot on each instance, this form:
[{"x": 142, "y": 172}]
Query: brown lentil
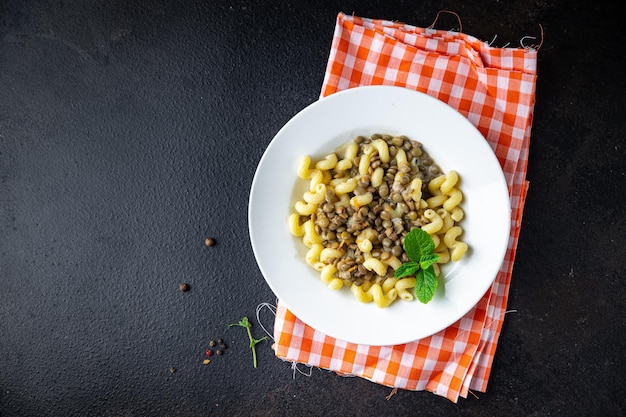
[{"x": 391, "y": 214}]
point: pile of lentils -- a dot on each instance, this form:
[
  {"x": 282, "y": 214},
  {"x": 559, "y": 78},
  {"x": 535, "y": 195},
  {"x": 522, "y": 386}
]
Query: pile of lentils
[{"x": 340, "y": 226}]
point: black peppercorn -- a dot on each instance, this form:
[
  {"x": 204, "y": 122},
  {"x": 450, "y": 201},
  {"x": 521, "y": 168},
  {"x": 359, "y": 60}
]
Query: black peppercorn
[{"x": 183, "y": 287}]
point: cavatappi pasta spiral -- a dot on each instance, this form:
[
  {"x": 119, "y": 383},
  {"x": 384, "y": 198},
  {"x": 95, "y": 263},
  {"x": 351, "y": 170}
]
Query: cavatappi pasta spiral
[{"x": 361, "y": 202}]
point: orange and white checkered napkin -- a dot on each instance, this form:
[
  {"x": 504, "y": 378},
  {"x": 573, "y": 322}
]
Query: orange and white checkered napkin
[{"x": 495, "y": 89}]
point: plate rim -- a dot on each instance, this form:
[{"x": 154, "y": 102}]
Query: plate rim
[{"x": 338, "y": 96}]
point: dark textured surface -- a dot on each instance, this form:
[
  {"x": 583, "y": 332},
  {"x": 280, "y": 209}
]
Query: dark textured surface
[{"x": 130, "y": 131}]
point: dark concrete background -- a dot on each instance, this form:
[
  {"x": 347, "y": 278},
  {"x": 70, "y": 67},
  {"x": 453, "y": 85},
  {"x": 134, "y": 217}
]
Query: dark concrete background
[{"x": 130, "y": 131}]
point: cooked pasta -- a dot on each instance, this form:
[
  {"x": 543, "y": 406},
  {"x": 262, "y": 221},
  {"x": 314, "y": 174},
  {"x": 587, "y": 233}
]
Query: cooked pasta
[{"x": 361, "y": 202}]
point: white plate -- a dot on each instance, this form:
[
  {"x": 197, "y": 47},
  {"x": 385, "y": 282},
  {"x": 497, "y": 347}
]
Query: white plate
[{"x": 451, "y": 140}]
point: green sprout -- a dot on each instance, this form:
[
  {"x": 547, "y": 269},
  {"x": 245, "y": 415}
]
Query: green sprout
[{"x": 244, "y": 322}]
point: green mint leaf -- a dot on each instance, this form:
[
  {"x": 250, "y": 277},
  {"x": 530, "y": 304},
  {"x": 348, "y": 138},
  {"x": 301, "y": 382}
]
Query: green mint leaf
[
  {"x": 406, "y": 269},
  {"x": 426, "y": 284},
  {"x": 428, "y": 260},
  {"x": 419, "y": 247},
  {"x": 418, "y": 243}
]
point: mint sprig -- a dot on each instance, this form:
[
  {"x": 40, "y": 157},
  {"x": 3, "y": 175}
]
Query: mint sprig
[{"x": 419, "y": 247}]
